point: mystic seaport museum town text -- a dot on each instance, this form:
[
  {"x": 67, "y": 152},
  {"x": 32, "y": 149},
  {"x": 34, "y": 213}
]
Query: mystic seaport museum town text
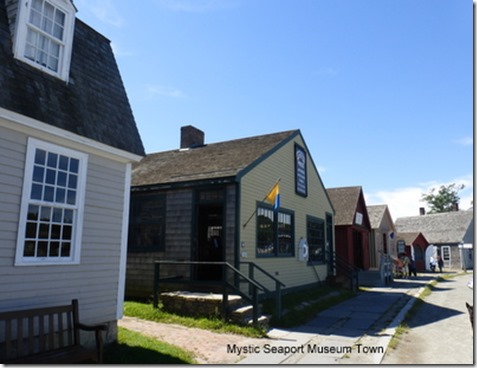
[{"x": 302, "y": 349}]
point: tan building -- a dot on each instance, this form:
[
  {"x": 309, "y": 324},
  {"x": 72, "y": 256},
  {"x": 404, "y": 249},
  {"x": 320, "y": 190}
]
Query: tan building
[
  {"x": 383, "y": 235},
  {"x": 206, "y": 203}
]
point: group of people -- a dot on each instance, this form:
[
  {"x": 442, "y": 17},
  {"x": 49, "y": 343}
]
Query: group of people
[
  {"x": 436, "y": 262},
  {"x": 405, "y": 265}
]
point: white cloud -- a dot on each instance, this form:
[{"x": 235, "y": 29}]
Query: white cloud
[
  {"x": 105, "y": 10},
  {"x": 197, "y": 6},
  {"x": 403, "y": 202},
  {"x": 158, "y": 90},
  {"x": 466, "y": 141}
]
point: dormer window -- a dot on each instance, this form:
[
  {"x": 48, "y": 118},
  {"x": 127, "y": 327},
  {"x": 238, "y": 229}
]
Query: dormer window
[{"x": 44, "y": 35}]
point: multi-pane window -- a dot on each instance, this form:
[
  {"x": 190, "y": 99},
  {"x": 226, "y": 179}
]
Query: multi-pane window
[
  {"x": 52, "y": 204},
  {"x": 275, "y": 232},
  {"x": 265, "y": 232},
  {"x": 285, "y": 233},
  {"x": 316, "y": 239},
  {"x": 147, "y": 222},
  {"x": 45, "y": 34},
  {"x": 446, "y": 255}
]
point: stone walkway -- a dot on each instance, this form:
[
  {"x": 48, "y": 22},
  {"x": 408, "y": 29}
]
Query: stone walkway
[{"x": 356, "y": 331}]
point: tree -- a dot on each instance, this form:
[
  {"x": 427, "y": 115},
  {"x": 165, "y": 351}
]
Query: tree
[{"x": 444, "y": 200}]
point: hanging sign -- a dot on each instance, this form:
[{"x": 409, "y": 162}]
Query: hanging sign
[{"x": 301, "y": 180}]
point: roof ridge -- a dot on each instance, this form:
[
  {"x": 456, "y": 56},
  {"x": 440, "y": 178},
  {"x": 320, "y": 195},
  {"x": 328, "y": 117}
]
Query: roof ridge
[
  {"x": 225, "y": 142},
  {"x": 210, "y": 161},
  {"x": 437, "y": 214}
]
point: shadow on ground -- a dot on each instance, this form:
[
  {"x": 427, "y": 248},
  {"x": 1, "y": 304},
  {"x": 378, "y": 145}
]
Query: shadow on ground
[
  {"x": 374, "y": 309},
  {"x": 124, "y": 354}
]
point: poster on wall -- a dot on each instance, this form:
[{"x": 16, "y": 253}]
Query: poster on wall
[
  {"x": 401, "y": 246},
  {"x": 301, "y": 183}
]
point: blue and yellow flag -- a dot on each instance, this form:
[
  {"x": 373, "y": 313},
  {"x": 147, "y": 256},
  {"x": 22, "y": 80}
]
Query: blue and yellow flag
[{"x": 273, "y": 197}]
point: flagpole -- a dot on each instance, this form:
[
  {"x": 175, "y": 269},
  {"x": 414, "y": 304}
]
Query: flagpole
[{"x": 263, "y": 200}]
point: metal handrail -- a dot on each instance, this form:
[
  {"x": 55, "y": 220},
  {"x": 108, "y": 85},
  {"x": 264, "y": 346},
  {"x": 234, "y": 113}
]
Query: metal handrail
[
  {"x": 253, "y": 285},
  {"x": 264, "y": 271},
  {"x": 349, "y": 269},
  {"x": 278, "y": 284}
]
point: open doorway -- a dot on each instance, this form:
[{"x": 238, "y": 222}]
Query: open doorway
[
  {"x": 210, "y": 247},
  {"x": 358, "y": 249}
]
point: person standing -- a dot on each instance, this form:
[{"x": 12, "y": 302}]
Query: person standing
[
  {"x": 440, "y": 263},
  {"x": 405, "y": 266},
  {"x": 412, "y": 268}
]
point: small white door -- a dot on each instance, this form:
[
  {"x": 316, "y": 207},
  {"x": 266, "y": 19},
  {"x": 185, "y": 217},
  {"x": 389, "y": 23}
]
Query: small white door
[{"x": 430, "y": 252}]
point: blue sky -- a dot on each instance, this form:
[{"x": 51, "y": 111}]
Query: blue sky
[{"x": 382, "y": 90}]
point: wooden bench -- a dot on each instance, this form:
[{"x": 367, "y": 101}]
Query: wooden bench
[{"x": 47, "y": 335}]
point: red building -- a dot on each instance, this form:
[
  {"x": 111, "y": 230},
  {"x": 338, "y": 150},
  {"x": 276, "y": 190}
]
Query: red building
[
  {"x": 352, "y": 225},
  {"x": 415, "y": 248}
]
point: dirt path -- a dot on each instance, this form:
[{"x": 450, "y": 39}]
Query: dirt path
[
  {"x": 207, "y": 347},
  {"x": 440, "y": 332}
]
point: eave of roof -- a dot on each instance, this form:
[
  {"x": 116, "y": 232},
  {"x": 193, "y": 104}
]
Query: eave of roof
[{"x": 409, "y": 238}]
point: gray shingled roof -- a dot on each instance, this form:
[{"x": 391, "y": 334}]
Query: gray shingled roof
[
  {"x": 439, "y": 228},
  {"x": 408, "y": 238},
  {"x": 93, "y": 104},
  {"x": 376, "y": 214},
  {"x": 211, "y": 161},
  {"x": 345, "y": 201}
]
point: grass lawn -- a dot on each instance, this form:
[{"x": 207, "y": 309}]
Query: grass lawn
[
  {"x": 146, "y": 311},
  {"x": 300, "y": 307},
  {"x": 134, "y": 348}
]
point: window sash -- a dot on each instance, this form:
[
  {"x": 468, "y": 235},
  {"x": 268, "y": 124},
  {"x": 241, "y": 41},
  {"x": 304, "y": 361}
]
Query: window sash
[
  {"x": 52, "y": 205},
  {"x": 446, "y": 253},
  {"x": 44, "y": 40},
  {"x": 147, "y": 223},
  {"x": 47, "y": 18},
  {"x": 316, "y": 239},
  {"x": 275, "y": 232},
  {"x": 43, "y": 50},
  {"x": 265, "y": 232},
  {"x": 44, "y": 36},
  {"x": 285, "y": 233}
]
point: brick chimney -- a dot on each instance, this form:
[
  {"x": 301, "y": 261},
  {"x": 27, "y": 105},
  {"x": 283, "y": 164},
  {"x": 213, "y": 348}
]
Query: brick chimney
[
  {"x": 191, "y": 137},
  {"x": 422, "y": 211},
  {"x": 455, "y": 206}
]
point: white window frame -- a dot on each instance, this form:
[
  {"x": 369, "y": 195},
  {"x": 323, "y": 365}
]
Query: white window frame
[
  {"x": 26, "y": 201},
  {"x": 446, "y": 255},
  {"x": 66, "y": 45}
]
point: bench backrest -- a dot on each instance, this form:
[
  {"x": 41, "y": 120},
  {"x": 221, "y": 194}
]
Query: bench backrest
[{"x": 31, "y": 331}]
